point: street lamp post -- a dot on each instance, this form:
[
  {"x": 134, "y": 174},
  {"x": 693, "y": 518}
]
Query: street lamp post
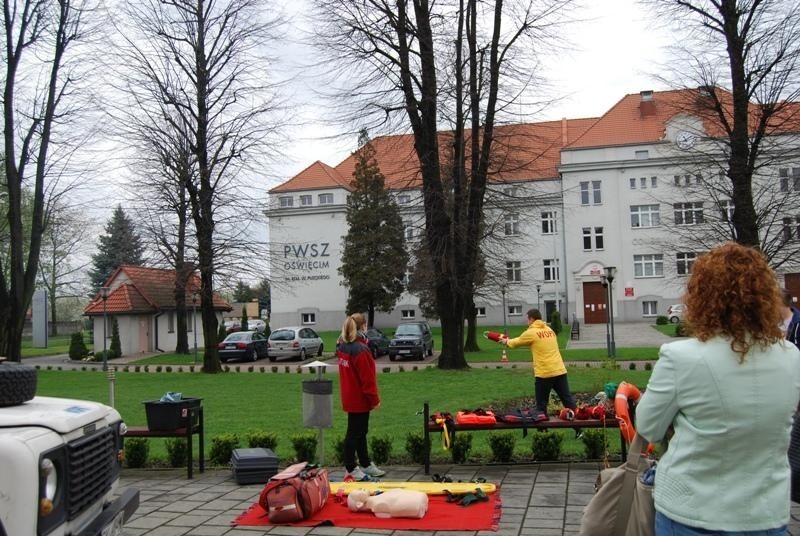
[
  {"x": 611, "y": 272},
  {"x": 104, "y": 296},
  {"x": 194, "y": 324},
  {"x": 503, "y": 293},
  {"x": 538, "y": 299},
  {"x": 604, "y": 281}
]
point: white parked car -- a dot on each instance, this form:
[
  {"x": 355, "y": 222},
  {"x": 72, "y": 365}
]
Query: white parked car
[
  {"x": 256, "y": 324},
  {"x": 675, "y": 313},
  {"x": 295, "y": 342}
]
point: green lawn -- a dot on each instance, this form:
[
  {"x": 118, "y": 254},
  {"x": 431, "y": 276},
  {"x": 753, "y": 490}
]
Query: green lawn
[
  {"x": 56, "y": 345},
  {"x": 240, "y": 402}
]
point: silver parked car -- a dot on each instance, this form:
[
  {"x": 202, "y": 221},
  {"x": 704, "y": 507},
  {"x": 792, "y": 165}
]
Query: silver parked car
[{"x": 294, "y": 342}]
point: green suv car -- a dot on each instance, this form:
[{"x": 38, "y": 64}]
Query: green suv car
[{"x": 411, "y": 339}]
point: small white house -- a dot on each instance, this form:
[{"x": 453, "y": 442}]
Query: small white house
[{"x": 142, "y": 300}]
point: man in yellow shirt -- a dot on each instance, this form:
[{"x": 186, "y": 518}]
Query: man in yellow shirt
[{"x": 548, "y": 367}]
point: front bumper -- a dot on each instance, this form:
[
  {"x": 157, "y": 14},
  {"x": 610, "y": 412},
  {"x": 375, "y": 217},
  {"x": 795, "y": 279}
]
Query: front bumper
[{"x": 127, "y": 502}]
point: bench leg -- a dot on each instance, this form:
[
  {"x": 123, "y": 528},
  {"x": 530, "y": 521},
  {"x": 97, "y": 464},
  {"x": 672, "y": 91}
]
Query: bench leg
[
  {"x": 426, "y": 438},
  {"x": 202, "y": 443},
  {"x": 189, "y": 456}
]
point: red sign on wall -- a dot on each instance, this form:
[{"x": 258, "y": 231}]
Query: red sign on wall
[{"x": 629, "y": 292}]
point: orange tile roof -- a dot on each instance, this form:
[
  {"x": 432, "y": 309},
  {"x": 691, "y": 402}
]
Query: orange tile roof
[
  {"x": 149, "y": 290},
  {"x": 527, "y": 151}
]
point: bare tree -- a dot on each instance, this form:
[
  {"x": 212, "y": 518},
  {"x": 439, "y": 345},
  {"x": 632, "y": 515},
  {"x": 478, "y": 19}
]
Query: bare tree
[
  {"x": 202, "y": 69},
  {"x": 63, "y": 257},
  {"x": 751, "y": 47},
  {"x": 37, "y": 82},
  {"x": 402, "y": 57}
]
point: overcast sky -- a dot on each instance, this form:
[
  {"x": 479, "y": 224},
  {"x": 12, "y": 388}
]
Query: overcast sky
[{"x": 615, "y": 50}]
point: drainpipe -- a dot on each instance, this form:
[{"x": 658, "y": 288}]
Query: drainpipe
[
  {"x": 155, "y": 331},
  {"x": 565, "y": 272}
]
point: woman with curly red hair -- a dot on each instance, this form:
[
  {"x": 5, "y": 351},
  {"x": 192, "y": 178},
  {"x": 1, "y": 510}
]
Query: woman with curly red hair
[{"x": 728, "y": 393}]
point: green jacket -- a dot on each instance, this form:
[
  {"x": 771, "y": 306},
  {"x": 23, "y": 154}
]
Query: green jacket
[
  {"x": 543, "y": 341},
  {"x": 726, "y": 466}
]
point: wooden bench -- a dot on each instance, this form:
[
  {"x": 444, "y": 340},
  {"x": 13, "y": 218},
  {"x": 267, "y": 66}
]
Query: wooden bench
[
  {"x": 553, "y": 423},
  {"x": 192, "y": 424}
]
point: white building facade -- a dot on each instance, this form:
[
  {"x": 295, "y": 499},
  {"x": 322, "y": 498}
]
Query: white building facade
[{"x": 634, "y": 189}]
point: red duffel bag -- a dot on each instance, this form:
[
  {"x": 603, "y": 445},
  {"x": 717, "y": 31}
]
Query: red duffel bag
[{"x": 296, "y": 493}]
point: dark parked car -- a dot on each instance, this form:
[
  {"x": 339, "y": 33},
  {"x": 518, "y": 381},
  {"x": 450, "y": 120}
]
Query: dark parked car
[
  {"x": 411, "y": 339},
  {"x": 245, "y": 345},
  {"x": 294, "y": 342},
  {"x": 378, "y": 342}
]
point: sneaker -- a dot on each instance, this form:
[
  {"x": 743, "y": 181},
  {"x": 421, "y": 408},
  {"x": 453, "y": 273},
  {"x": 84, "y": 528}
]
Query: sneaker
[
  {"x": 374, "y": 470},
  {"x": 356, "y": 475}
]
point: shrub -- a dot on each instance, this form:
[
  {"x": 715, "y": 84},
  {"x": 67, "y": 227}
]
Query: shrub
[
  {"x": 648, "y": 366},
  {"x": 682, "y": 330},
  {"x": 176, "y": 451},
  {"x": 221, "y": 332},
  {"x": 305, "y": 447},
  {"x": 555, "y": 322},
  {"x": 502, "y": 445},
  {"x": 261, "y": 440},
  {"x": 632, "y": 365},
  {"x": 222, "y": 446},
  {"x": 610, "y": 364},
  {"x": 77, "y": 348},
  {"x": 137, "y": 449},
  {"x": 662, "y": 320},
  {"x": 380, "y": 449},
  {"x": 415, "y": 447},
  {"x": 244, "y": 318},
  {"x": 595, "y": 443},
  {"x": 338, "y": 449},
  {"x": 168, "y": 369},
  {"x": 116, "y": 346},
  {"x": 547, "y": 445},
  {"x": 459, "y": 449}
]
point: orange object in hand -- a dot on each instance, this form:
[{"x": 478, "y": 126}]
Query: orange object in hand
[{"x": 494, "y": 336}]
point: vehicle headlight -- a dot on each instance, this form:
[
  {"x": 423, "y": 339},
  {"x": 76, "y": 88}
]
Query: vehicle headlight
[{"x": 49, "y": 477}]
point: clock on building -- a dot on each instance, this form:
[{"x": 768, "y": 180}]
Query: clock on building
[{"x": 685, "y": 140}]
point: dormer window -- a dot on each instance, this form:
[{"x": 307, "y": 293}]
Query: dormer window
[{"x": 286, "y": 201}]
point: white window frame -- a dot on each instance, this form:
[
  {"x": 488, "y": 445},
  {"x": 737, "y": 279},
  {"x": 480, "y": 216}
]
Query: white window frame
[
  {"x": 689, "y": 213},
  {"x": 649, "y": 214},
  {"x": 649, "y": 308},
  {"x": 408, "y": 314},
  {"x": 791, "y": 228},
  {"x": 306, "y": 200},
  {"x": 653, "y": 182},
  {"x": 593, "y": 238},
  {"x": 514, "y": 310},
  {"x": 789, "y": 179},
  {"x": 408, "y": 229},
  {"x": 632, "y": 181},
  {"x": 726, "y": 208},
  {"x": 642, "y": 154},
  {"x": 480, "y": 311},
  {"x": 648, "y": 265},
  {"x": 308, "y": 319},
  {"x": 511, "y": 226},
  {"x": 549, "y": 222},
  {"x": 551, "y": 270},
  {"x": 286, "y": 201},
  {"x": 325, "y": 199},
  {"x": 684, "y": 260},
  {"x": 513, "y": 271},
  {"x": 643, "y": 183},
  {"x": 403, "y": 199},
  {"x": 170, "y": 321}
]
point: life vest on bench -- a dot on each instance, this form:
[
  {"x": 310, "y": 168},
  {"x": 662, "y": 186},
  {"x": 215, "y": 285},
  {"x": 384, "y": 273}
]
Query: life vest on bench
[
  {"x": 627, "y": 393},
  {"x": 478, "y": 417}
]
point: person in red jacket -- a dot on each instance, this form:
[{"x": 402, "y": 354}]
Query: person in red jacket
[{"x": 359, "y": 390}]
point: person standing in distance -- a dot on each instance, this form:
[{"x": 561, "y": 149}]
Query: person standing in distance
[
  {"x": 358, "y": 386},
  {"x": 728, "y": 393},
  {"x": 548, "y": 366}
]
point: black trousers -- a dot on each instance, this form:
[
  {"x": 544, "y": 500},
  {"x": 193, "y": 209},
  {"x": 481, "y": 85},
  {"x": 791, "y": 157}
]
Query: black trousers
[
  {"x": 560, "y": 384},
  {"x": 355, "y": 441}
]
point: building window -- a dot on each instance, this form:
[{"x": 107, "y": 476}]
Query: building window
[
  {"x": 685, "y": 180},
  {"x": 642, "y": 155},
  {"x": 688, "y": 213},
  {"x": 726, "y": 210},
  {"x": 480, "y": 311},
  {"x": 649, "y": 308},
  {"x": 590, "y": 192},
  {"x": 633, "y": 183},
  {"x": 286, "y": 201},
  {"x": 789, "y": 179},
  {"x": 190, "y": 320},
  {"x": 549, "y": 222},
  {"x": 514, "y": 310},
  {"x": 308, "y": 318},
  {"x": 588, "y": 234},
  {"x": 791, "y": 228},
  {"x": 645, "y": 216},
  {"x": 170, "y": 322},
  {"x": 512, "y": 224},
  {"x": 408, "y": 314},
  {"x": 325, "y": 199},
  {"x": 550, "y": 269},
  {"x": 684, "y": 262},
  {"x": 653, "y": 182},
  {"x": 643, "y": 183},
  {"x": 305, "y": 200},
  {"x": 648, "y": 265},
  {"x": 510, "y": 191},
  {"x": 408, "y": 229},
  {"x": 403, "y": 199},
  {"x": 513, "y": 271}
]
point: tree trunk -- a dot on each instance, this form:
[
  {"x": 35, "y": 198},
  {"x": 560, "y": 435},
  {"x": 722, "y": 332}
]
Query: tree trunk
[
  {"x": 182, "y": 271},
  {"x": 471, "y": 339}
]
